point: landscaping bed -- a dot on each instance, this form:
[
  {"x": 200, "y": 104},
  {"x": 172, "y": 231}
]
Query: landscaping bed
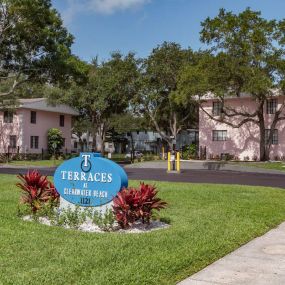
[{"x": 206, "y": 223}]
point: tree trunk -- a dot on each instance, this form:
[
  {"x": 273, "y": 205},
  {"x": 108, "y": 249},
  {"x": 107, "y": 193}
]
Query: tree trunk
[
  {"x": 170, "y": 145},
  {"x": 263, "y": 155},
  {"x": 101, "y": 138},
  {"x": 132, "y": 148},
  {"x": 93, "y": 133},
  {"x": 263, "y": 151}
]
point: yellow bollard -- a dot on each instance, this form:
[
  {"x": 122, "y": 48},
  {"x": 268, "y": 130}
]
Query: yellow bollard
[
  {"x": 163, "y": 153},
  {"x": 178, "y": 162},
  {"x": 168, "y": 162}
]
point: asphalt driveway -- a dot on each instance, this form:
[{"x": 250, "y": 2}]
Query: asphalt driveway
[{"x": 187, "y": 175}]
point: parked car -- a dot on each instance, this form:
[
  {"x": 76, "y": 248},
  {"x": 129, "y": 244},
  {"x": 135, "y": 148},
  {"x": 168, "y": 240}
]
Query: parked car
[{"x": 137, "y": 154}]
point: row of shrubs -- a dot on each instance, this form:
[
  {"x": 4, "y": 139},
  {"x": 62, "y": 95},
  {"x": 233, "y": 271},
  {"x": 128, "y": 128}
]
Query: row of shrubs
[
  {"x": 35, "y": 156},
  {"x": 228, "y": 157},
  {"x": 40, "y": 198}
]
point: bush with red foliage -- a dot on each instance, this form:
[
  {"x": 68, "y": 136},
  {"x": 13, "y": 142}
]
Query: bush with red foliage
[
  {"x": 36, "y": 190},
  {"x": 52, "y": 193},
  {"x": 133, "y": 204}
]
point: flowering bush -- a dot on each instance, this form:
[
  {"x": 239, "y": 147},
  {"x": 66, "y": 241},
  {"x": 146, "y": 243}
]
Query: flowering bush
[
  {"x": 37, "y": 190},
  {"x": 133, "y": 204}
]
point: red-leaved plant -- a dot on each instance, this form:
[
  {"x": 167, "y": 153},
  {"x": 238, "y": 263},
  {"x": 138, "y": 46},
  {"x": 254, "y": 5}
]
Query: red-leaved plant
[
  {"x": 36, "y": 190},
  {"x": 132, "y": 204},
  {"x": 52, "y": 193}
]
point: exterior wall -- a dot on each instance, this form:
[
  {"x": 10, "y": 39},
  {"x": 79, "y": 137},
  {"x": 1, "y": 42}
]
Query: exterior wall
[
  {"x": 242, "y": 142},
  {"x": 23, "y": 130},
  {"x": 44, "y": 121},
  {"x": 11, "y": 129}
]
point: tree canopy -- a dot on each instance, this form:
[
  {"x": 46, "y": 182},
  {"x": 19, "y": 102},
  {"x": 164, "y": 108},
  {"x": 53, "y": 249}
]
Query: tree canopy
[
  {"x": 34, "y": 45},
  {"x": 108, "y": 90},
  {"x": 157, "y": 97}
]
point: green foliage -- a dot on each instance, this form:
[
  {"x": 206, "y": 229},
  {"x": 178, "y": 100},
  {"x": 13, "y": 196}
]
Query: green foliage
[
  {"x": 157, "y": 98},
  {"x": 105, "y": 221},
  {"x": 35, "y": 46},
  {"x": 55, "y": 140},
  {"x": 107, "y": 91},
  {"x": 71, "y": 218},
  {"x": 127, "y": 122},
  {"x": 189, "y": 151}
]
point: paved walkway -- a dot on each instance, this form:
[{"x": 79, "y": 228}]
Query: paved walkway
[
  {"x": 206, "y": 165},
  {"x": 259, "y": 262}
]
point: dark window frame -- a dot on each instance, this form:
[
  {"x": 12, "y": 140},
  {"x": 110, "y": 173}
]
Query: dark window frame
[
  {"x": 275, "y": 138},
  {"x": 13, "y": 143},
  {"x": 34, "y": 142},
  {"x": 33, "y": 117},
  {"x": 8, "y": 117},
  {"x": 217, "y": 108},
  {"x": 271, "y": 106},
  {"x": 61, "y": 120},
  {"x": 217, "y": 138}
]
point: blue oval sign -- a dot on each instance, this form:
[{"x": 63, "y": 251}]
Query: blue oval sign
[{"x": 89, "y": 180}]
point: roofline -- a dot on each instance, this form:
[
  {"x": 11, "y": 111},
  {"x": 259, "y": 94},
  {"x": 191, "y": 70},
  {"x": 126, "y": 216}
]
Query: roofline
[
  {"x": 239, "y": 98},
  {"x": 28, "y": 104}
]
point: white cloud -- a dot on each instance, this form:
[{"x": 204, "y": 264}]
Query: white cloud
[
  {"x": 111, "y": 6},
  {"x": 99, "y": 6}
]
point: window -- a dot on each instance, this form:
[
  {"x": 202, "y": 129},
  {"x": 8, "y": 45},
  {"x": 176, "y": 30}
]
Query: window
[
  {"x": 271, "y": 106},
  {"x": 217, "y": 108},
  {"x": 33, "y": 117},
  {"x": 35, "y": 142},
  {"x": 8, "y": 117},
  {"x": 219, "y": 135},
  {"x": 61, "y": 120},
  {"x": 13, "y": 142},
  {"x": 75, "y": 144},
  {"x": 274, "y": 139}
]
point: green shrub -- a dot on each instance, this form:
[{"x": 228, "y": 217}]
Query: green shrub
[
  {"x": 55, "y": 141},
  {"x": 105, "y": 221},
  {"x": 72, "y": 218}
]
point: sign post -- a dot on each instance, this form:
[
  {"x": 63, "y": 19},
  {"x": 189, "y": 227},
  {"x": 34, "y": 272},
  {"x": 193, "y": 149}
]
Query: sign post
[
  {"x": 173, "y": 162},
  {"x": 89, "y": 181}
]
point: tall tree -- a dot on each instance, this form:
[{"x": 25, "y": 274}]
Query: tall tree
[
  {"x": 109, "y": 89},
  {"x": 34, "y": 45},
  {"x": 158, "y": 93},
  {"x": 246, "y": 55}
]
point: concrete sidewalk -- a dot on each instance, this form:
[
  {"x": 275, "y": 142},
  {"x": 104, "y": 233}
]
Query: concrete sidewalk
[
  {"x": 206, "y": 165},
  {"x": 259, "y": 262}
]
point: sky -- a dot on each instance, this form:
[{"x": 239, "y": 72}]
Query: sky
[{"x": 103, "y": 26}]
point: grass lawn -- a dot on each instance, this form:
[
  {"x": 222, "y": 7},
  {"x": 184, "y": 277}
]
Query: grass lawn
[
  {"x": 267, "y": 165},
  {"x": 47, "y": 163},
  {"x": 207, "y": 222}
]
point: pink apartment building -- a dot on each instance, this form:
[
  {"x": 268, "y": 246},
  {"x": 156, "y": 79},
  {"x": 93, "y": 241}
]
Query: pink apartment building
[
  {"x": 243, "y": 143},
  {"x": 25, "y": 129}
]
